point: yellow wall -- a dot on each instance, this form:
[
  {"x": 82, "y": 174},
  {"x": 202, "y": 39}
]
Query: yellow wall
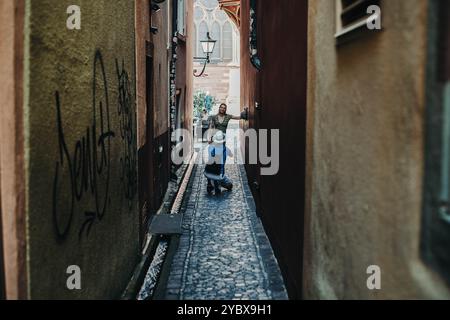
[
  {"x": 85, "y": 159},
  {"x": 366, "y": 104}
]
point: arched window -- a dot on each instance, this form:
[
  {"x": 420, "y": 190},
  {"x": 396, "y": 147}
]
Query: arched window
[
  {"x": 215, "y": 34},
  {"x": 220, "y": 16},
  {"x": 202, "y": 31},
  {"x": 199, "y": 14},
  {"x": 227, "y": 41},
  {"x": 210, "y": 4},
  {"x": 209, "y": 17}
]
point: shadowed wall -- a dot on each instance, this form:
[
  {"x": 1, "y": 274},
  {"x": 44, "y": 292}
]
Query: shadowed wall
[{"x": 366, "y": 102}]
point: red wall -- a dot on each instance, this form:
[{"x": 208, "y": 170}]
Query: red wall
[{"x": 280, "y": 89}]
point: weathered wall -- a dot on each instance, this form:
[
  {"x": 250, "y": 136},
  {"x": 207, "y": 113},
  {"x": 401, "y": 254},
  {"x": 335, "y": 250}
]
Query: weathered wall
[
  {"x": 184, "y": 68},
  {"x": 365, "y": 157},
  {"x": 161, "y": 41},
  {"x": 81, "y": 148},
  {"x": 189, "y": 66},
  {"x": 144, "y": 101},
  {"x": 157, "y": 145},
  {"x": 142, "y": 36},
  {"x": 280, "y": 89}
]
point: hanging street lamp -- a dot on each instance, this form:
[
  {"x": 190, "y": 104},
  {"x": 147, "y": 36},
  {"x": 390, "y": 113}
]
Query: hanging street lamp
[{"x": 208, "y": 46}]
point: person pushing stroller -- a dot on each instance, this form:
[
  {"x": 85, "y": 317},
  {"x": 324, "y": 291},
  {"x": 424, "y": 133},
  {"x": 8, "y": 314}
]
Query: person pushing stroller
[{"x": 215, "y": 167}]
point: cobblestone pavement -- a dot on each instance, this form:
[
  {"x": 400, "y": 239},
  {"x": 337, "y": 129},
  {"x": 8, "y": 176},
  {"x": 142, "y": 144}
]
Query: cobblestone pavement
[{"x": 224, "y": 253}]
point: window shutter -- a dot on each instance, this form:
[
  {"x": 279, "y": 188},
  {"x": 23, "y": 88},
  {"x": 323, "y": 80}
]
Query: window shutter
[{"x": 355, "y": 10}]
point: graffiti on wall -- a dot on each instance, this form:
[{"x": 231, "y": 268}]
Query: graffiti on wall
[
  {"x": 83, "y": 167},
  {"x": 127, "y": 119}
]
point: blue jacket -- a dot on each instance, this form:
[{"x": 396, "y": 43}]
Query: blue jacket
[{"x": 217, "y": 154}]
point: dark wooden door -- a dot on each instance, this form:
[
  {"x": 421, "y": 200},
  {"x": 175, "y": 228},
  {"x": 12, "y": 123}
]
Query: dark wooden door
[
  {"x": 276, "y": 95},
  {"x": 146, "y": 170}
]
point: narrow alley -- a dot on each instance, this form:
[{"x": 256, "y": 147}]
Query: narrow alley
[
  {"x": 185, "y": 150},
  {"x": 224, "y": 252}
]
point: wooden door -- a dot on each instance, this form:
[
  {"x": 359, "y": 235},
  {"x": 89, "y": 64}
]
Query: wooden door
[{"x": 276, "y": 96}]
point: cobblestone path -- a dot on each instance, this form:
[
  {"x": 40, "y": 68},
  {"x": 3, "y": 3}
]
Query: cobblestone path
[{"x": 224, "y": 253}]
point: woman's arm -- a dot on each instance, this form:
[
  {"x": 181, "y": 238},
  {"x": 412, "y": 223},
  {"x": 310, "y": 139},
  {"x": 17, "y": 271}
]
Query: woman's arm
[{"x": 243, "y": 116}]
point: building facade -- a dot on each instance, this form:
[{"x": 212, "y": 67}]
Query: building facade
[
  {"x": 85, "y": 149},
  {"x": 222, "y": 77},
  {"x": 376, "y": 159},
  {"x": 362, "y": 113}
]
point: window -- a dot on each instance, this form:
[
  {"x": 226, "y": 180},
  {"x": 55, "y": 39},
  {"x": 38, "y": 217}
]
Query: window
[
  {"x": 209, "y": 4},
  {"x": 199, "y": 14},
  {"x": 227, "y": 37},
  {"x": 215, "y": 34},
  {"x": 351, "y": 17},
  {"x": 221, "y": 16},
  {"x": 354, "y": 10},
  {"x": 181, "y": 13},
  {"x": 208, "y": 17},
  {"x": 202, "y": 32}
]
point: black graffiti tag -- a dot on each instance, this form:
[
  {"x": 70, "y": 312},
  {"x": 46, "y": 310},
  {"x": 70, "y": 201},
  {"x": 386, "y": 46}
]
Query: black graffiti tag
[
  {"x": 88, "y": 166},
  {"x": 126, "y": 114}
]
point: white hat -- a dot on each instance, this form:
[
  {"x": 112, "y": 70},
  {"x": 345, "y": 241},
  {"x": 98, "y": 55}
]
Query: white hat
[{"x": 219, "y": 137}]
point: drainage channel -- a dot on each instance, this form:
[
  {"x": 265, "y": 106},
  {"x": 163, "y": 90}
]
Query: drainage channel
[{"x": 152, "y": 288}]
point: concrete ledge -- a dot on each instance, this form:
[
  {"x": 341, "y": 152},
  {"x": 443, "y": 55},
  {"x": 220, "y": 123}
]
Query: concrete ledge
[
  {"x": 161, "y": 287},
  {"x": 140, "y": 271}
]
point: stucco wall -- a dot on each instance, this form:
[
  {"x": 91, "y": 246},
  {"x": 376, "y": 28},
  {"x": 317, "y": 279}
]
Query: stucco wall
[
  {"x": 81, "y": 148},
  {"x": 365, "y": 157}
]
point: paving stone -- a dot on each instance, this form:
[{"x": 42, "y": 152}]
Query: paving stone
[{"x": 220, "y": 255}]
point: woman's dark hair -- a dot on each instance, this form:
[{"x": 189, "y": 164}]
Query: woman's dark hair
[{"x": 223, "y": 105}]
